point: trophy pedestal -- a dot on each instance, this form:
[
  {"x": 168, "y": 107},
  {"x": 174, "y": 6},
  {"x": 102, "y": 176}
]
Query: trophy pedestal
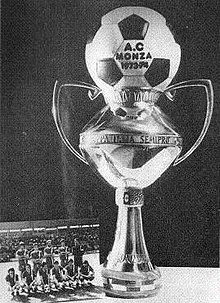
[
  {"x": 128, "y": 271},
  {"x": 125, "y": 285}
]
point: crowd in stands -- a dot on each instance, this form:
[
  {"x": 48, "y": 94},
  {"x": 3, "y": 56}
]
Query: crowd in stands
[{"x": 9, "y": 244}]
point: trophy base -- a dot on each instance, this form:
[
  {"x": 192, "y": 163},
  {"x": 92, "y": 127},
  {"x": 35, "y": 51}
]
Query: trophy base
[
  {"x": 131, "y": 295},
  {"x": 128, "y": 285}
]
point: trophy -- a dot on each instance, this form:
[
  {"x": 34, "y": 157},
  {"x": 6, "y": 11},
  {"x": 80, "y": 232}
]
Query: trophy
[{"x": 130, "y": 142}]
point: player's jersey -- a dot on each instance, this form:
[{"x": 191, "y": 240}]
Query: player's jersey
[
  {"x": 36, "y": 256},
  {"x": 22, "y": 256},
  {"x": 86, "y": 270},
  {"x": 48, "y": 250},
  {"x": 63, "y": 252},
  {"x": 12, "y": 280},
  {"x": 48, "y": 254}
]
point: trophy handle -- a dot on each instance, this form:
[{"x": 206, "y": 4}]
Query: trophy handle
[
  {"x": 92, "y": 93},
  {"x": 209, "y": 109}
]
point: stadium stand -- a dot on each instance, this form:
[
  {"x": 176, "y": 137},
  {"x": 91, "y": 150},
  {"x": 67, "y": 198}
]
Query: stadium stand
[{"x": 12, "y": 233}]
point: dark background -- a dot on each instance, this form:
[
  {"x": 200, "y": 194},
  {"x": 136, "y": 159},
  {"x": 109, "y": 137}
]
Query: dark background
[{"x": 45, "y": 40}]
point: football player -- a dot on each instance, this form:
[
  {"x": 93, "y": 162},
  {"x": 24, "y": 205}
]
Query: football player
[
  {"x": 49, "y": 254},
  {"x": 57, "y": 275},
  {"x": 22, "y": 256},
  {"x": 86, "y": 273},
  {"x": 12, "y": 281},
  {"x": 36, "y": 256},
  {"x": 44, "y": 277},
  {"x": 63, "y": 253}
]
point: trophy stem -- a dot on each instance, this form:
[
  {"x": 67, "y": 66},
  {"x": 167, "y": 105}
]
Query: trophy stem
[{"x": 128, "y": 271}]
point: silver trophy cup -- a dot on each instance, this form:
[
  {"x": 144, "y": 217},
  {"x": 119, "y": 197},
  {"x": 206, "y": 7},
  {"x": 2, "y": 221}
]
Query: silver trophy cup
[{"x": 130, "y": 142}]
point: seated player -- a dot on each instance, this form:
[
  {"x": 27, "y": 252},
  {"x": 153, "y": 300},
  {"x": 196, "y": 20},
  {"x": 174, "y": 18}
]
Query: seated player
[
  {"x": 44, "y": 277},
  {"x": 36, "y": 257},
  {"x": 57, "y": 275},
  {"x": 28, "y": 282},
  {"x": 13, "y": 282},
  {"x": 86, "y": 273},
  {"x": 70, "y": 274}
]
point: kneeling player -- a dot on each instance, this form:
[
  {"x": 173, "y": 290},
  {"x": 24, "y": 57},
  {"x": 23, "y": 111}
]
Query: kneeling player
[
  {"x": 70, "y": 274},
  {"x": 57, "y": 275},
  {"x": 12, "y": 280},
  {"x": 28, "y": 282},
  {"x": 86, "y": 273}
]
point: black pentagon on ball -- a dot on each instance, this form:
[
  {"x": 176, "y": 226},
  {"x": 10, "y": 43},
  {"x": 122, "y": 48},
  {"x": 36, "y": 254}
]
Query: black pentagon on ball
[
  {"x": 158, "y": 71},
  {"x": 108, "y": 71},
  {"x": 133, "y": 28}
]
